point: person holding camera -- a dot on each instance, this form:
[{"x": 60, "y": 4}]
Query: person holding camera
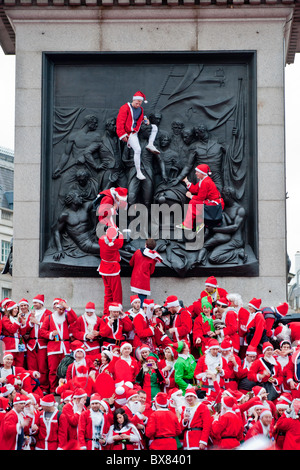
[
  {"x": 150, "y": 377},
  {"x": 13, "y": 329}
]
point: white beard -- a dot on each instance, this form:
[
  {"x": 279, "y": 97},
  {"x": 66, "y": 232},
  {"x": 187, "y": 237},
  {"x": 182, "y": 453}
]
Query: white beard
[
  {"x": 59, "y": 319},
  {"x": 90, "y": 319},
  {"x": 134, "y": 406},
  {"x": 97, "y": 417}
]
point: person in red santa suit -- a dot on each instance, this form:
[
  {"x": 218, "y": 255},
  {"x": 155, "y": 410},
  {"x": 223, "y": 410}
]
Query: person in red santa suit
[
  {"x": 31, "y": 414},
  {"x": 126, "y": 367},
  {"x": 13, "y": 329},
  {"x": 211, "y": 370},
  {"x": 256, "y": 325},
  {"x": 122, "y": 434},
  {"x": 229, "y": 317},
  {"x": 205, "y": 192},
  {"x": 203, "y": 326},
  {"x": 233, "y": 364},
  {"x": 94, "y": 424},
  {"x": 195, "y": 421},
  {"x": 58, "y": 330},
  {"x": 267, "y": 372},
  {"x": 283, "y": 406},
  {"x": 163, "y": 426},
  {"x": 111, "y": 200},
  {"x": 13, "y": 424},
  {"x": 115, "y": 326},
  {"x": 283, "y": 355},
  {"x": 135, "y": 308},
  {"x": 37, "y": 346},
  {"x": 263, "y": 427},
  {"x": 236, "y": 304},
  {"x": 82, "y": 379},
  {"x": 244, "y": 384},
  {"x": 213, "y": 290},
  {"x": 80, "y": 359},
  {"x": 129, "y": 120},
  {"x": 263, "y": 395},
  {"x": 9, "y": 373},
  {"x": 87, "y": 329},
  {"x": 143, "y": 263},
  {"x": 272, "y": 314},
  {"x": 50, "y": 435},
  {"x": 289, "y": 425},
  {"x": 227, "y": 426},
  {"x": 110, "y": 243},
  {"x": 292, "y": 372},
  {"x": 181, "y": 323},
  {"x": 72, "y": 412},
  {"x": 144, "y": 331}
]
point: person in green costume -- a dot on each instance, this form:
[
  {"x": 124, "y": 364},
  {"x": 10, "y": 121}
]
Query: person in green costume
[
  {"x": 150, "y": 377},
  {"x": 203, "y": 329},
  {"x": 184, "y": 366}
]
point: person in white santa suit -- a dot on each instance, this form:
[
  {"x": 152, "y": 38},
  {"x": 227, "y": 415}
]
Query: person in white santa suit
[
  {"x": 115, "y": 326},
  {"x": 87, "y": 329},
  {"x": 37, "y": 346},
  {"x": 12, "y": 425},
  {"x": 129, "y": 120},
  {"x": 211, "y": 370},
  {"x": 58, "y": 330},
  {"x": 195, "y": 421},
  {"x": 94, "y": 424},
  {"x": 109, "y": 244}
]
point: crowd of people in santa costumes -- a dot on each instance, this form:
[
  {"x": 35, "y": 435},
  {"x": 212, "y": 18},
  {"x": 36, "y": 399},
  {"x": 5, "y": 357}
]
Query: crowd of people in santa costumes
[{"x": 214, "y": 373}]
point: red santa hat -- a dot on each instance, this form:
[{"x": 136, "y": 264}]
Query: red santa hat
[
  {"x": 257, "y": 403},
  {"x": 203, "y": 168},
  {"x": 66, "y": 396},
  {"x": 139, "y": 96},
  {"x": 131, "y": 393},
  {"x": 226, "y": 344},
  {"x": 251, "y": 351},
  {"x": 56, "y": 301},
  {"x": 265, "y": 412},
  {"x": 48, "y": 400},
  {"x": 255, "y": 303},
  {"x": 19, "y": 398},
  {"x": 190, "y": 391},
  {"x": 90, "y": 307},
  {"x": 211, "y": 281},
  {"x": 286, "y": 398},
  {"x": 122, "y": 193},
  {"x": 125, "y": 344},
  {"x": 7, "y": 354},
  {"x": 148, "y": 302},
  {"x": 4, "y": 302},
  {"x": 114, "y": 307},
  {"x": 212, "y": 343},
  {"x": 39, "y": 298},
  {"x": 144, "y": 347},
  {"x": 77, "y": 346},
  {"x": 173, "y": 350},
  {"x": 171, "y": 301},
  {"x": 257, "y": 390},
  {"x": 223, "y": 302},
  {"x": 228, "y": 402},
  {"x": 11, "y": 305},
  {"x": 95, "y": 398},
  {"x": 7, "y": 389},
  {"x": 108, "y": 353},
  {"x": 111, "y": 235},
  {"x": 23, "y": 302},
  {"x": 161, "y": 399},
  {"x": 283, "y": 308},
  {"x": 134, "y": 298},
  {"x": 79, "y": 393},
  {"x": 267, "y": 345}
]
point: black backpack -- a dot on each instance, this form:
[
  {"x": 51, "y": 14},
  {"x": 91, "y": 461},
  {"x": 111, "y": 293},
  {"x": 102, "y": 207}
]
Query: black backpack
[{"x": 63, "y": 365}]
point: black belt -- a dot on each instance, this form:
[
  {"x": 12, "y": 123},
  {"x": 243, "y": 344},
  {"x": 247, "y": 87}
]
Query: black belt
[
  {"x": 165, "y": 437},
  {"x": 229, "y": 437},
  {"x": 194, "y": 429},
  {"x": 112, "y": 341}
]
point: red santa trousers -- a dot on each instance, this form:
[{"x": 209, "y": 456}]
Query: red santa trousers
[
  {"x": 38, "y": 360},
  {"x": 112, "y": 291},
  {"x": 195, "y": 212}
]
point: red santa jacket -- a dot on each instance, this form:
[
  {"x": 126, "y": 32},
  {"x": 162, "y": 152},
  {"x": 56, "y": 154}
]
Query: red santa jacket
[
  {"x": 201, "y": 328},
  {"x": 169, "y": 375},
  {"x": 117, "y": 331},
  {"x": 82, "y": 328},
  {"x": 162, "y": 429},
  {"x": 143, "y": 330},
  {"x": 107, "y": 208},
  {"x": 259, "y": 366},
  {"x": 72, "y": 419},
  {"x": 12, "y": 331},
  {"x": 110, "y": 256},
  {"x": 206, "y": 192},
  {"x": 86, "y": 383},
  {"x": 197, "y": 427},
  {"x": 257, "y": 429},
  {"x": 61, "y": 344},
  {"x": 257, "y": 322},
  {"x": 85, "y": 429},
  {"x": 217, "y": 294},
  {"x": 10, "y": 429},
  {"x": 203, "y": 365},
  {"x": 183, "y": 325},
  {"x": 143, "y": 263},
  {"x": 291, "y": 428},
  {"x": 125, "y": 122},
  {"x": 231, "y": 329},
  {"x": 49, "y": 435},
  {"x": 227, "y": 430},
  {"x": 34, "y": 330},
  {"x": 129, "y": 430}
]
